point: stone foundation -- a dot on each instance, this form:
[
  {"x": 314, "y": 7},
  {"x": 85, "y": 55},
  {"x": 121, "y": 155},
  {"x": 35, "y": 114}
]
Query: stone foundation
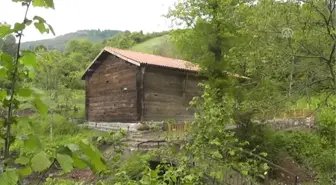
[
  {"x": 294, "y": 123},
  {"x": 107, "y": 126},
  {"x": 129, "y": 127}
]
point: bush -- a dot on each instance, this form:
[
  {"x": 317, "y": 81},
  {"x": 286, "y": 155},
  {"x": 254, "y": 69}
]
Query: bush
[{"x": 51, "y": 181}]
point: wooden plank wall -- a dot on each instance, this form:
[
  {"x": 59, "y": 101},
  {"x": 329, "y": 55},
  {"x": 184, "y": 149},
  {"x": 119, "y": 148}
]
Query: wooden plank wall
[
  {"x": 107, "y": 99},
  {"x": 167, "y": 94}
]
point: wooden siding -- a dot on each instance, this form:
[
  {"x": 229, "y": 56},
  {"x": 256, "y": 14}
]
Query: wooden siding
[
  {"x": 167, "y": 94},
  {"x": 107, "y": 99}
]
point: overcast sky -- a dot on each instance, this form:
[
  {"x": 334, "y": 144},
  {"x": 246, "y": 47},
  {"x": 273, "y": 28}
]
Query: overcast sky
[{"x": 73, "y": 15}]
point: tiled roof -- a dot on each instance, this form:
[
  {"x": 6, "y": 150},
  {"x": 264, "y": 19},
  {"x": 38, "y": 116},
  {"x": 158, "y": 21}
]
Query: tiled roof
[
  {"x": 143, "y": 58},
  {"x": 138, "y": 58}
]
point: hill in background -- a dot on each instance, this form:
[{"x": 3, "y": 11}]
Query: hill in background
[
  {"x": 95, "y": 36},
  {"x": 160, "y": 45},
  {"x": 157, "y": 43}
]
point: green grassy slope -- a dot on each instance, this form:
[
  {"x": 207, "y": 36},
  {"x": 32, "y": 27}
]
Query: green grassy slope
[
  {"x": 150, "y": 45},
  {"x": 158, "y": 46}
]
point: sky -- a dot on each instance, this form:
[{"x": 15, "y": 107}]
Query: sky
[{"x": 72, "y": 15}]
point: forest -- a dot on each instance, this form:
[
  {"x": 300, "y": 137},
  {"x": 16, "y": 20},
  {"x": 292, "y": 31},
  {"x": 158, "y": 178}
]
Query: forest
[{"x": 286, "y": 49}]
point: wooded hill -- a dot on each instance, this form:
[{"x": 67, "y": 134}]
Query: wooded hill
[
  {"x": 154, "y": 43},
  {"x": 59, "y": 42}
]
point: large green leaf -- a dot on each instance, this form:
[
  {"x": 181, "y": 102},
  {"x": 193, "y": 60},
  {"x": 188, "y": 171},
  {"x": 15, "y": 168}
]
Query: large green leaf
[
  {"x": 65, "y": 161},
  {"x": 73, "y": 147},
  {"x": 3, "y": 93},
  {"x": 10, "y": 177},
  {"x": 33, "y": 142},
  {"x": 78, "y": 162},
  {"x": 41, "y": 106},
  {"x": 22, "y": 160},
  {"x": 23, "y": 172},
  {"x": 41, "y": 27},
  {"x": 19, "y": 27},
  {"x": 28, "y": 58},
  {"x": 4, "y": 30},
  {"x": 44, "y": 3},
  {"x": 3, "y": 72},
  {"x": 93, "y": 155},
  {"x": 24, "y": 92},
  {"x": 6, "y": 59},
  {"x": 49, "y": 4},
  {"x": 40, "y": 162}
]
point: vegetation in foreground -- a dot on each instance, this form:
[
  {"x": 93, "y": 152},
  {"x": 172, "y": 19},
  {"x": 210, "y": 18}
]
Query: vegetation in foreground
[{"x": 287, "y": 69}]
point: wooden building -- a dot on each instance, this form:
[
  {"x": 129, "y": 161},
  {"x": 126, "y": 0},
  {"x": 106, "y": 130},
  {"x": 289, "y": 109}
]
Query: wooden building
[{"x": 126, "y": 87}]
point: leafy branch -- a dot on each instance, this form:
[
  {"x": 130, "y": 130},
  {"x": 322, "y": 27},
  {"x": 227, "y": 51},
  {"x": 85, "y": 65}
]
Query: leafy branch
[{"x": 13, "y": 85}]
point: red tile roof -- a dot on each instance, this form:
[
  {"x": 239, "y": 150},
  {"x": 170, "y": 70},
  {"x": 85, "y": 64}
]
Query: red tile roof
[
  {"x": 143, "y": 58},
  {"x": 138, "y": 58}
]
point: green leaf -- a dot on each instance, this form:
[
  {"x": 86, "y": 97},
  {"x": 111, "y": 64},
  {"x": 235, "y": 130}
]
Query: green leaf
[
  {"x": 217, "y": 154},
  {"x": 24, "y": 92},
  {"x": 41, "y": 27},
  {"x": 3, "y": 93},
  {"x": 215, "y": 142},
  {"x": 19, "y": 27},
  {"x": 78, "y": 163},
  {"x": 28, "y": 22},
  {"x": 28, "y": 58},
  {"x": 232, "y": 152},
  {"x": 244, "y": 172},
  {"x": 40, "y": 106},
  {"x": 22, "y": 160},
  {"x": 5, "y": 30},
  {"x": 50, "y": 4},
  {"x": 265, "y": 166},
  {"x": 100, "y": 183},
  {"x": 3, "y": 72},
  {"x": 44, "y": 3},
  {"x": 23, "y": 172},
  {"x": 32, "y": 142},
  {"x": 40, "y": 19},
  {"x": 263, "y": 154},
  {"x": 73, "y": 147},
  {"x": 10, "y": 177},
  {"x": 93, "y": 156},
  {"x": 38, "y": 3},
  {"x": 51, "y": 29},
  {"x": 65, "y": 161},
  {"x": 40, "y": 162},
  {"x": 6, "y": 59}
]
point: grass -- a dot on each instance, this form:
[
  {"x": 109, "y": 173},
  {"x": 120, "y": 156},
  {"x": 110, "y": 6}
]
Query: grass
[
  {"x": 149, "y": 45},
  {"x": 63, "y": 132},
  {"x": 314, "y": 102}
]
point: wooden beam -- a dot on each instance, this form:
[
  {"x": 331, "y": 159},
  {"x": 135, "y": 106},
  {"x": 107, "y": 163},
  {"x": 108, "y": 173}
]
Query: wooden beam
[
  {"x": 185, "y": 85},
  {"x": 86, "y": 97},
  {"x": 142, "y": 70},
  {"x": 139, "y": 94}
]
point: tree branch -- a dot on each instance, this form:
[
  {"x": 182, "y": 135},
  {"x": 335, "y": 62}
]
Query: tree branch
[{"x": 12, "y": 92}]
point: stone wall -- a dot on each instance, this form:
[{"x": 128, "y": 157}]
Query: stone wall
[
  {"x": 107, "y": 126},
  {"x": 292, "y": 123}
]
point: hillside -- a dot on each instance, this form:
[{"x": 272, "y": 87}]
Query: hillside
[
  {"x": 160, "y": 45},
  {"x": 59, "y": 42},
  {"x": 151, "y": 45}
]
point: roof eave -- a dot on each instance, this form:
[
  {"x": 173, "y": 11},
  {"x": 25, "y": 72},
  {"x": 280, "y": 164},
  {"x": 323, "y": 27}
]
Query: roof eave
[{"x": 94, "y": 60}]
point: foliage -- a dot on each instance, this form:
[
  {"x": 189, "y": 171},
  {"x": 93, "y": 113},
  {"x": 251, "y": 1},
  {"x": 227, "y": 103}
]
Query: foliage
[
  {"x": 225, "y": 38},
  {"x": 51, "y": 181},
  {"x": 128, "y": 39},
  {"x": 18, "y": 70}
]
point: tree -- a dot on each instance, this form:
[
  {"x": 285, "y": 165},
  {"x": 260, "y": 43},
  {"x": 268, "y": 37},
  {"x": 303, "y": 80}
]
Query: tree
[
  {"x": 8, "y": 45},
  {"x": 40, "y": 48}
]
